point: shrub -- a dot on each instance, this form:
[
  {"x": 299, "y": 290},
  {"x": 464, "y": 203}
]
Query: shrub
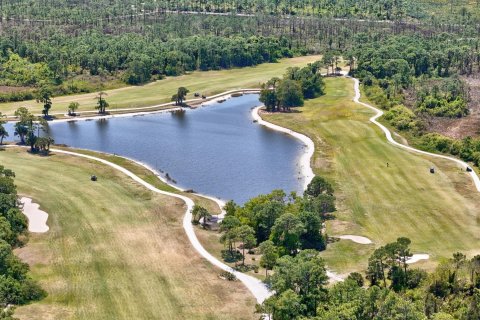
[
  {"x": 402, "y": 118},
  {"x": 228, "y": 276}
]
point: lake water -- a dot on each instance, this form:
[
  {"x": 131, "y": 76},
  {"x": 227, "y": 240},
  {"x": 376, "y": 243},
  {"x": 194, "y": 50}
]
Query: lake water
[{"x": 215, "y": 150}]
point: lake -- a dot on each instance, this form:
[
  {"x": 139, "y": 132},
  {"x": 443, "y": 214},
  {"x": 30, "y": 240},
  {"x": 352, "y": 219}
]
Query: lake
[{"x": 215, "y": 150}]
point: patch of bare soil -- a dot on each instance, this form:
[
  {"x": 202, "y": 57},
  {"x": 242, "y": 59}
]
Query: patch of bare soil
[
  {"x": 9, "y": 89},
  {"x": 460, "y": 128}
]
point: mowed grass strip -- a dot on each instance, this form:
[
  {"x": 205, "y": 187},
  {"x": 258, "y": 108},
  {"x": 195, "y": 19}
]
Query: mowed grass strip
[
  {"x": 439, "y": 212},
  {"x": 204, "y": 82},
  {"x": 115, "y": 250}
]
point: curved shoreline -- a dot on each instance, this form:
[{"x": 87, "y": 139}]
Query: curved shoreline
[
  {"x": 305, "y": 158},
  {"x": 388, "y": 135},
  {"x": 254, "y": 285}
]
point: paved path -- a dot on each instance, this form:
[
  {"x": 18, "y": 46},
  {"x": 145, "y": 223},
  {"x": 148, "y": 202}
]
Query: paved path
[
  {"x": 127, "y": 112},
  {"x": 256, "y": 287},
  {"x": 390, "y": 139}
]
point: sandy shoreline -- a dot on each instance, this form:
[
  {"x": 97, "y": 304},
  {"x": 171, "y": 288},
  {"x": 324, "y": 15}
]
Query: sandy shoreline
[{"x": 305, "y": 158}]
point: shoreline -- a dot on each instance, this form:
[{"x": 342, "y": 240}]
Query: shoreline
[
  {"x": 306, "y": 156},
  {"x": 258, "y": 289},
  {"x": 139, "y": 111}
]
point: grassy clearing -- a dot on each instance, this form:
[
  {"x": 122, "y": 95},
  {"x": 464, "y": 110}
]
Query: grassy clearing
[
  {"x": 114, "y": 249},
  {"x": 208, "y": 83},
  {"x": 439, "y": 212}
]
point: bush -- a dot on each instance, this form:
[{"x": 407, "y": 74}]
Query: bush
[
  {"x": 402, "y": 118},
  {"x": 228, "y": 276},
  {"x": 435, "y": 142},
  {"x": 231, "y": 256},
  {"x": 441, "y": 107}
]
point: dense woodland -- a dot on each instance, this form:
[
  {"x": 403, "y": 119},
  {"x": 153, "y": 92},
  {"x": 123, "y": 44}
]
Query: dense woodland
[
  {"x": 16, "y": 286},
  {"x": 76, "y": 12}
]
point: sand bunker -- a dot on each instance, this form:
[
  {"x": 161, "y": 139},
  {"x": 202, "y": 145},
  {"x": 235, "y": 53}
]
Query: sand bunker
[
  {"x": 356, "y": 239},
  {"x": 418, "y": 257},
  {"x": 37, "y": 219}
]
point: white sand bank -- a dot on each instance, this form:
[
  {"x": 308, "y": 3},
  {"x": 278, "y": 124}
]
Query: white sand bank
[
  {"x": 417, "y": 257},
  {"x": 37, "y": 219},
  {"x": 356, "y": 239}
]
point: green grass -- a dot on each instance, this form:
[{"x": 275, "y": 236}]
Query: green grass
[
  {"x": 207, "y": 82},
  {"x": 114, "y": 250},
  {"x": 439, "y": 212}
]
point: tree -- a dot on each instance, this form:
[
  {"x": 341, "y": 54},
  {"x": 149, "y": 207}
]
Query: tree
[
  {"x": 72, "y": 108},
  {"x": 269, "y": 98},
  {"x": 305, "y": 275},
  {"x": 269, "y": 255},
  {"x": 102, "y": 104},
  {"x": 228, "y": 223},
  {"x": 43, "y": 96},
  {"x": 228, "y": 239},
  {"x": 247, "y": 236},
  {"x": 180, "y": 96},
  {"x": 286, "y": 233},
  {"x": 312, "y": 237},
  {"x": 200, "y": 213},
  {"x": 287, "y": 306},
  {"x": 230, "y": 208},
  {"x": 318, "y": 186},
  {"x": 3, "y": 131},
  {"x": 289, "y": 94}
]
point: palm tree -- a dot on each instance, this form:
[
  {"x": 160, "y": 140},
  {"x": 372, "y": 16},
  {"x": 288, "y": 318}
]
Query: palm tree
[
  {"x": 102, "y": 104},
  {"x": 72, "y": 108},
  {"x": 3, "y": 133}
]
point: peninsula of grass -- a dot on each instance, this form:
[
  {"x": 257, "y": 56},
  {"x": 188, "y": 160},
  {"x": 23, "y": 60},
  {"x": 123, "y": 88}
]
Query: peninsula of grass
[
  {"x": 205, "y": 82},
  {"x": 438, "y": 212},
  {"x": 114, "y": 249}
]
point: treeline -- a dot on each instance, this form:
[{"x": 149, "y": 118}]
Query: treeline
[
  {"x": 63, "y": 11},
  {"x": 16, "y": 286},
  {"x": 278, "y": 225},
  {"x": 393, "y": 291},
  {"x": 138, "y": 57},
  {"x": 416, "y": 78}
]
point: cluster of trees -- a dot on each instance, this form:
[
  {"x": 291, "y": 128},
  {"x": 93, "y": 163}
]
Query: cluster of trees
[
  {"x": 180, "y": 96},
  {"x": 394, "y": 290},
  {"x": 279, "y": 225},
  {"x": 16, "y": 286},
  {"x": 448, "y": 98},
  {"x": 297, "y": 84},
  {"x": 29, "y": 128}
]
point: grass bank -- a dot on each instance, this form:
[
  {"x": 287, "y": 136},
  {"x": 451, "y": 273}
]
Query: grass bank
[
  {"x": 438, "y": 212},
  {"x": 114, "y": 249},
  {"x": 205, "y": 82}
]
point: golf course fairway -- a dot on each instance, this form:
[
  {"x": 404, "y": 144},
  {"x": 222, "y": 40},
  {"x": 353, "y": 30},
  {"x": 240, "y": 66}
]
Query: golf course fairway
[{"x": 438, "y": 212}]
